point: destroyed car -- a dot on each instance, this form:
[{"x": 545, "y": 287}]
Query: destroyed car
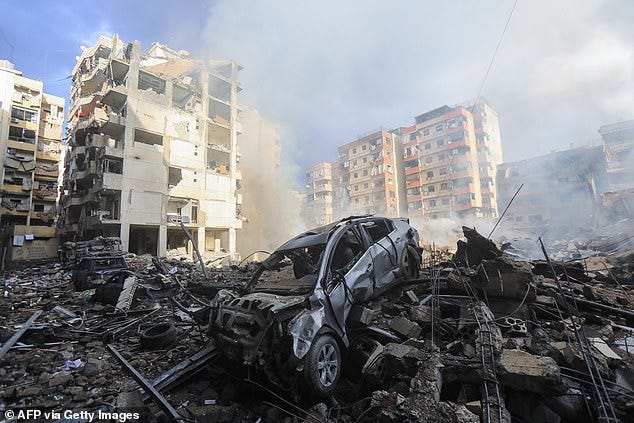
[
  {"x": 93, "y": 271},
  {"x": 292, "y": 322}
]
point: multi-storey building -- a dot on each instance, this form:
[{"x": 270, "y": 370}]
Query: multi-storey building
[
  {"x": 451, "y": 154},
  {"x": 153, "y": 144},
  {"x": 319, "y": 194},
  {"x": 369, "y": 176},
  {"x": 618, "y": 142},
  {"x": 30, "y": 151},
  {"x": 489, "y": 150},
  {"x": 561, "y": 189}
]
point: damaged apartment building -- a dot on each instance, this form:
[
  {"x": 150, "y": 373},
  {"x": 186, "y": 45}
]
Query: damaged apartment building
[
  {"x": 575, "y": 188},
  {"x": 30, "y": 152},
  {"x": 152, "y": 145}
]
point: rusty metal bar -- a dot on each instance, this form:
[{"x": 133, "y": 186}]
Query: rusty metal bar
[
  {"x": 147, "y": 386},
  {"x": 16, "y": 336}
]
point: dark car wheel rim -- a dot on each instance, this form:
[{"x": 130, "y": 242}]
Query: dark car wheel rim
[{"x": 327, "y": 365}]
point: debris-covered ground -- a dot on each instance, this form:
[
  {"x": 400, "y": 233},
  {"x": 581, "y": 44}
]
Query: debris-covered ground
[{"x": 482, "y": 335}]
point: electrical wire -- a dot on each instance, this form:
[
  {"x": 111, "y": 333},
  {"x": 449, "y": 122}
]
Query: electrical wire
[{"x": 497, "y": 47}]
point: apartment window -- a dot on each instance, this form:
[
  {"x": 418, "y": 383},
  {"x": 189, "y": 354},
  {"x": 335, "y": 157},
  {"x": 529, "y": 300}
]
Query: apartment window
[
  {"x": 355, "y": 162},
  {"x": 146, "y": 137},
  {"x": 427, "y": 146},
  {"x": 354, "y": 151},
  {"x": 366, "y": 185},
  {"x": 426, "y": 131},
  {"x": 440, "y": 143},
  {"x": 38, "y": 207},
  {"x": 147, "y": 81},
  {"x": 194, "y": 216},
  {"x": 431, "y": 188},
  {"x": 18, "y": 113},
  {"x": 112, "y": 165},
  {"x": 442, "y": 157},
  {"x": 355, "y": 175},
  {"x": 430, "y": 174},
  {"x": 392, "y": 194},
  {"x": 356, "y": 187},
  {"x": 444, "y": 186},
  {"x": 21, "y": 134},
  {"x": 365, "y": 160},
  {"x": 432, "y": 203},
  {"x": 356, "y": 200},
  {"x": 220, "y": 112},
  {"x": 365, "y": 172},
  {"x": 428, "y": 159},
  {"x": 364, "y": 147},
  {"x": 219, "y": 88},
  {"x": 439, "y": 127},
  {"x": 412, "y": 136},
  {"x": 442, "y": 171}
]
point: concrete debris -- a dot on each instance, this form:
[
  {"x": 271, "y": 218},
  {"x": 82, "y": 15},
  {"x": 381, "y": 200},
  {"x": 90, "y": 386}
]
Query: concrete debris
[{"x": 485, "y": 337}]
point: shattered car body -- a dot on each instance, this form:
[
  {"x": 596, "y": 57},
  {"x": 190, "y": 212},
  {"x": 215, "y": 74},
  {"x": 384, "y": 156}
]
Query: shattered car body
[
  {"x": 95, "y": 270},
  {"x": 296, "y": 318}
]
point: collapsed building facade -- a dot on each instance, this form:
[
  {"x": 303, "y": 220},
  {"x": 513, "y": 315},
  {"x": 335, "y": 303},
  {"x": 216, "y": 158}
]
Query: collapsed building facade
[
  {"x": 152, "y": 145},
  {"x": 588, "y": 186},
  {"x": 30, "y": 153}
]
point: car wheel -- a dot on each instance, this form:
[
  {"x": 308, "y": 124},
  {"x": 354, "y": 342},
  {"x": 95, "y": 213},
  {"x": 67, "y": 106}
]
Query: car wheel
[
  {"x": 409, "y": 265},
  {"x": 323, "y": 366}
]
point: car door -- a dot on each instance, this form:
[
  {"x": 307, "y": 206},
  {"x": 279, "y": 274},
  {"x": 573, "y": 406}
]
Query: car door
[
  {"x": 383, "y": 250},
  {"x": 350, "y": 284}
]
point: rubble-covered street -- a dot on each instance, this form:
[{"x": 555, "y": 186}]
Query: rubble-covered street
[{"x": 481, "y": 335}]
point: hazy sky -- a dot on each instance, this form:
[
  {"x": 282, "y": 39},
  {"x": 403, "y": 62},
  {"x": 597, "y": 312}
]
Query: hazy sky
[{"x": 327, "y": 71}]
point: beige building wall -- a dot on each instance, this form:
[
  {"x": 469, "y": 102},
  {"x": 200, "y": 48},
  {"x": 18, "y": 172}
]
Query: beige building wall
[
  {"x": 319, "y": 194},
  {"x": 30, "y": 151},
  {"x": 368, "y": 177},
  {"x": 153, "y": 143}
]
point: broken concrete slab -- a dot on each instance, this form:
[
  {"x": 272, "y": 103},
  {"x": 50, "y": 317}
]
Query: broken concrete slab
[{"x": 523, "y": 371}]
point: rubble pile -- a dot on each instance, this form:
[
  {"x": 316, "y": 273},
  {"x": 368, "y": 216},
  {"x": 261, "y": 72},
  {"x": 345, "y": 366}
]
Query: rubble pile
[{"x": 479, "y": 336}]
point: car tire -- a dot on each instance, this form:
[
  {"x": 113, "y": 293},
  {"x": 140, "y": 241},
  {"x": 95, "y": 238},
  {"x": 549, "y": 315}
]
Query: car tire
[
  {"x": 158, "y": 336},
  {"x": 409, "y": 265},
  {"x": 322, "y": 366}
]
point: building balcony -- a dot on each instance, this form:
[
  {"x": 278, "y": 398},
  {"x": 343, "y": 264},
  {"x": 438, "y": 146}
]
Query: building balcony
[
  {"x": 41, "y": 172},
  {"x": 48, "y": 155},
  {"x": 115, "y": 97},
  {"x": 14, "y": 189},
  {"x": 25, "y": 124},
  {"x": 94, "y": 78}
]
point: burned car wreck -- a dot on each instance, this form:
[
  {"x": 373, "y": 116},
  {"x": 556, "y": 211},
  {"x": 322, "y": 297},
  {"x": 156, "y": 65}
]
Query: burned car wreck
[{"x": 294, "y": 323}]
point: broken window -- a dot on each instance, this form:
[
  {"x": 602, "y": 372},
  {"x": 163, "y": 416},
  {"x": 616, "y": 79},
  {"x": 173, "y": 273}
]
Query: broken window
[
  {"x": 219, "y": 112},
  {"x": 219, "y": 88},
  {"x": 21, "y": 134},
  {"x": 175, "y": 176},
  {"x": 146, "y": 137},
  {"x": 147, "y": 81},
  {"x": 113, "y": 165},
  {"x": 180, "y": 96}
]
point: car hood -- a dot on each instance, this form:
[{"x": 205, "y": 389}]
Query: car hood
[{"x": 242, "y": 323}]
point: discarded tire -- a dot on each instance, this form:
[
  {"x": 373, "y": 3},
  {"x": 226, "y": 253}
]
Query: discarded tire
[{"x": 158, "y": 336}]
